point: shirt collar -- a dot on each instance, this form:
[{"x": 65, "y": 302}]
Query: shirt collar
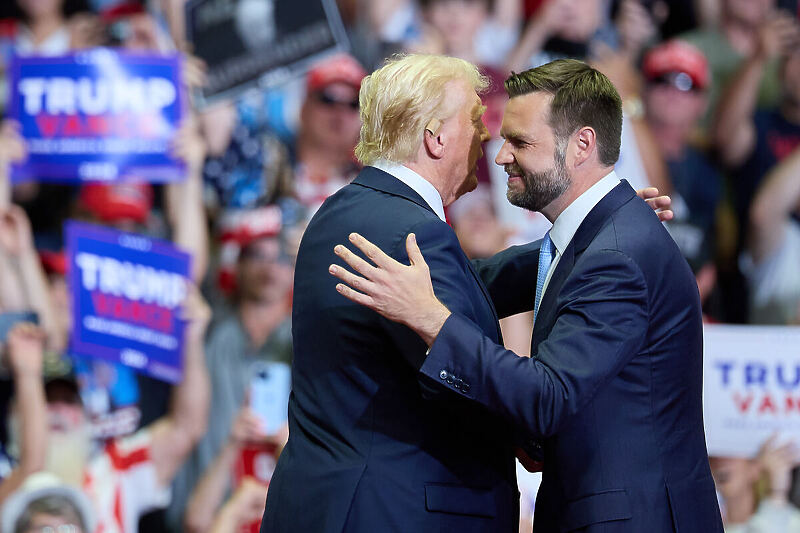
[
  {"x": 419, "y": 184},
  {"x": 570, "y": 219}
]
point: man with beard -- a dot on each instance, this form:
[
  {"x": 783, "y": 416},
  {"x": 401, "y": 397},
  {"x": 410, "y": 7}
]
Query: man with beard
[{"x": 613, "y": 387}]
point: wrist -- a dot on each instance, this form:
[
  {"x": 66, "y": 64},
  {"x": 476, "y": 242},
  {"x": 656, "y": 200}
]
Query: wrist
[{"x": 430, "y": 323}]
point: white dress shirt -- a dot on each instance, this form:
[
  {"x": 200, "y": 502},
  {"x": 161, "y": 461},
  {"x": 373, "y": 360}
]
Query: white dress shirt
[
  {"x": 420, "y": 185},
  {"x": 570, "y": 219}
]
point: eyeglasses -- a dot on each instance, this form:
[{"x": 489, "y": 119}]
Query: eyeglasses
[
  {"x": 678, "y": 80},
  {"x": 328, "y": 100}
]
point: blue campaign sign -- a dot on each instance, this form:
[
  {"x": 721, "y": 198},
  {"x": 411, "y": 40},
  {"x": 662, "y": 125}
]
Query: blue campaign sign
[
  {"x": 126, "y": 294},
  {"x": 97, "y": 115}
]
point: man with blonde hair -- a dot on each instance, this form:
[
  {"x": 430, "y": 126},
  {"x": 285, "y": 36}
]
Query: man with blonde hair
[{"x": 371, "y": 448}]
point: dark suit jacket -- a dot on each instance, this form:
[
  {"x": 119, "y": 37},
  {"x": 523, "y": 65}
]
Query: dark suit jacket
[
  {"x": 366, "y": 451},
  {"x": 613, "y": 389}
]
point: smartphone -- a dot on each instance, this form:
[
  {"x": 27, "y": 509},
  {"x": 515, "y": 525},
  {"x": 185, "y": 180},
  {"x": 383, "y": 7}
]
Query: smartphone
[{"x": 270, "y": 385}]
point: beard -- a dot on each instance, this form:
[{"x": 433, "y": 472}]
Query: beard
[{"x": 541, "y": 188}]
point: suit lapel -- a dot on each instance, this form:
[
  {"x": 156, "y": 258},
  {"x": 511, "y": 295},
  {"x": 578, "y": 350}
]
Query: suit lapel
[
  {"x": 376, "y": 179},
  {"x": 611, "y": 202}
]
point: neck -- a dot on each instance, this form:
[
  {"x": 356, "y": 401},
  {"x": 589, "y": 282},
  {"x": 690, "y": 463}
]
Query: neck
[
  {"x": 432, "y": 176},
  {"x": 320, "y": 160},
  {"x": 260, "y": 318},
  {"x": 42, "y": 28},
  {"x": 740, "y": 508},
  {"x": 580, "y": 184}
]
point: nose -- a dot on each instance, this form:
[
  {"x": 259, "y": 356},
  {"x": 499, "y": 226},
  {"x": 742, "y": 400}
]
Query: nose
[{"x": 504, "y": 156}]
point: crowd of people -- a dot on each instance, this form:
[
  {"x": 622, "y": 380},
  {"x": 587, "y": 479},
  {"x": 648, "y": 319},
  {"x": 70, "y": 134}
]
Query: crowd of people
[{"x": 711, "y": 101}]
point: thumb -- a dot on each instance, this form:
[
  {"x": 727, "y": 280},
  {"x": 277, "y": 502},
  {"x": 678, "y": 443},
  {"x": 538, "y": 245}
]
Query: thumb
[{"x": 414, "y": 254}]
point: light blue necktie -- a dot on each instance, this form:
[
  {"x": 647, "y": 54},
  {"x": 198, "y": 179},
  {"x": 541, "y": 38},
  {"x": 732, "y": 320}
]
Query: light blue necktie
[{"x": 545, "y": 260}]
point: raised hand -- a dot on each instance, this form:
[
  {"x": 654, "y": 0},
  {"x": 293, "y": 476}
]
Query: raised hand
[
  {"x": 659, "y": 204},
  {"x": 398, "y": 292}
]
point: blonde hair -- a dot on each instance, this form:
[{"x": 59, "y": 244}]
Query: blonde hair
[{"x": 400, "y": 98}]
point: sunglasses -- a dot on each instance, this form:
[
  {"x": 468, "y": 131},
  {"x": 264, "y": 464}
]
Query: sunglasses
[
  {"x": 328, "y": 100},
  {"x": 678, "y": 80}
]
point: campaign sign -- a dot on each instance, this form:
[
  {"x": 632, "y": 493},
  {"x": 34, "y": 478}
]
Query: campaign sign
[
  {"x": 751, "y": 387},
  {"x": 126, "y": 294},
  {"x": 250, "y": 42},
  {"x": 97, "y": 115}
]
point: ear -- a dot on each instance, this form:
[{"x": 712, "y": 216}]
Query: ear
[
  {"x": 433, "y": 141},
  {"x": 585, "y": 143}
]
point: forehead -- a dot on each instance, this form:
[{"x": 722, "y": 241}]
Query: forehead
[{"x": 528, "y": 112}]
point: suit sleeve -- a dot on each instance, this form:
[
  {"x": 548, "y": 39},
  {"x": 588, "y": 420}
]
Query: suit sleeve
[
  {"x": 510, "y": 277},
  {"x": 601, "y": 321},
  {"x": 441, "y": 250}
]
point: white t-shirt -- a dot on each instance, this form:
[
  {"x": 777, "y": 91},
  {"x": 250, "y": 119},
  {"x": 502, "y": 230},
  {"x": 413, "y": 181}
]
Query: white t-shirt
[
  {"x": 775, "y": 281},
  {"x": 122, "y": 485}
]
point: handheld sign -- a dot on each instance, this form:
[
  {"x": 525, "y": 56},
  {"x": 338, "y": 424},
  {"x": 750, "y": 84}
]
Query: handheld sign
[
  {"x": 97, "y": 115},
  {"x": 245, "y": 43},
  {"x": 751, "y": 387},
  {"x": 126, "y": 294}
]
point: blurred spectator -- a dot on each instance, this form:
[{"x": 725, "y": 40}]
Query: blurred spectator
[
  {"x": 23, "y": 353},
  {"x": 130, "y": 476},
  {"x": 774, "y": 246},
  {"x": 246, "y": 165},
  {"x": 468, "y": 29},
  {"x": 750, "y": 140},
  {"x": 745, "y": 508},
  {"x": 243, "y": 507},
  {"x": 743, "y": 24},
  {"x": 210, "y": 491},
  {"x": 46, "y": 504},
  {"x": 49, "y": 27},
  {"x": 328, "y": 131},
  {"x": 480, "y": 31},
  {"x": 559, "y": 29},
  {"x": 675, "y": 98},
  {"x": 255, "y": 328}
]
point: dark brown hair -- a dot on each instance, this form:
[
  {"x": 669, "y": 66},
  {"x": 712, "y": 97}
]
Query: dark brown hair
[{"x": 582, "y": 96}]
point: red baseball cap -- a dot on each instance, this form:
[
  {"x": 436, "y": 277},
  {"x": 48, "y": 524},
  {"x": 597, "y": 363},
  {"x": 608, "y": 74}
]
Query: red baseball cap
[
  {"x": 118, "y": 201},
  {"x": 676, "y": 56},
  {"x": 341, "y": 68}
]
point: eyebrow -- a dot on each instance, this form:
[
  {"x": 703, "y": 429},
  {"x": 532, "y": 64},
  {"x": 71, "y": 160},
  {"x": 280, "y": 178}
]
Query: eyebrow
[{"x": 515, "y": 136}]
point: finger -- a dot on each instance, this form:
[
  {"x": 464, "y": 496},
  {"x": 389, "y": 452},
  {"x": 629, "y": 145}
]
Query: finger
[
  {"x": 659, "y": 202},
  {"x": 648, "y": 193},
  {"x": 374, "y": 253},
  {"x": 355, "y": 296},
  {"x": 355, "y": 262},
  {"x": 351, "y": 279},
  {"x": 665, "y": 216},
  {"x": 414, "y": 253}
]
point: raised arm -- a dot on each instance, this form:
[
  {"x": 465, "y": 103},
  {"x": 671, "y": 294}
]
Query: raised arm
[
  {"x": 185, "y": 210},
  {"x": 25, "y": 353},
  {"x": 174, "y": 435},
  {"x": 776, "y": 201},
  {"x": 600, "y": 324},
  {"x": 733, "y": 130}
]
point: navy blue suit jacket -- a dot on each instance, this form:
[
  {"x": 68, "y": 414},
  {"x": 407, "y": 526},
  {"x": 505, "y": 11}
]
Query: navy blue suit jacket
[
  {"x": 613, "y": 388},
  {"x": 371, "y": 447}
]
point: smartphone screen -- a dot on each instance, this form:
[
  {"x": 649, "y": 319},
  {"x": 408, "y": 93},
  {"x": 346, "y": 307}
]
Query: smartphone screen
[{"x": 270, "y": 385}]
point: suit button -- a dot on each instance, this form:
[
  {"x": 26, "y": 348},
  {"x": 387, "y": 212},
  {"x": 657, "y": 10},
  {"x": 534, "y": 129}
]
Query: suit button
[
  {"x": 458, "y": 383},
  {"x": 443, "y": 374},
  {"x": 465, "y": 387},
  {"x": 450, "y": 379}
]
